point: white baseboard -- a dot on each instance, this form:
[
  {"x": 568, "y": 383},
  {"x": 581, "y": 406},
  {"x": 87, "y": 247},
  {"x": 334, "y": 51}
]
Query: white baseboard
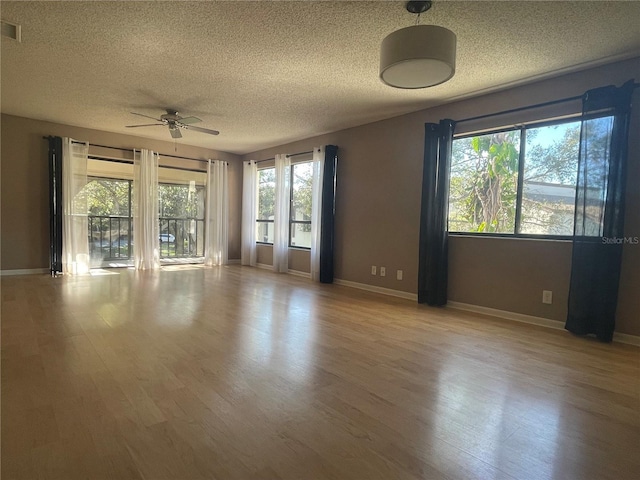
[
  {"x": 375, "y": 289},
  {"x": 530, "y": 319},
  {"x": 517, "y": 317},
  {"x": 298, "y": 273},
  {"x": 626, "y": 338},
  {"x": 24, "y": 271}
]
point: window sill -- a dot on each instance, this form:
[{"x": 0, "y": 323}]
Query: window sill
[
  {"x": 304, "y": 249},
  {"x": 511, "y": 236}
]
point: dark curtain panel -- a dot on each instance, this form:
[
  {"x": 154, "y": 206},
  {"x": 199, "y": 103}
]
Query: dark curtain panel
[
  {"x": 599, "y": 217},
  {"x": 328, "y": 213},
  {"x": 55, "y": 205},
  {"x": 434, "y": 242}
]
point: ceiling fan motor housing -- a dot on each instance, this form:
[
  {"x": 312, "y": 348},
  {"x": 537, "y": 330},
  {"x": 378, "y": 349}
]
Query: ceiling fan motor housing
[{"x": 175, "y": 122}]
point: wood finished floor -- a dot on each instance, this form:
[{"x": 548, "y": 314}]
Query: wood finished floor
[{"x": 239, "y": 373}]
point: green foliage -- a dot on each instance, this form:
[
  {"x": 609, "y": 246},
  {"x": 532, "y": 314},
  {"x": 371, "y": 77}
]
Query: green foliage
[
  {"x": 302, "y": 196},
  {"x": 179, "y": 201},
  {"x": 484, "y": 182},
  {"x": 107, "y": 197},
  {"x": 266, "y": 193},
  {"x": 300, "y": 201}
]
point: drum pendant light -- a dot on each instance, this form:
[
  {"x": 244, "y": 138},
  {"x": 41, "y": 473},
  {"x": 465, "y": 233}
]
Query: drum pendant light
[{"x": 419, "y": 56}]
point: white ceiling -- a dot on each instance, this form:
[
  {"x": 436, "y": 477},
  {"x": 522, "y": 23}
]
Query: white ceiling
[{"x": 266, "y": 73}]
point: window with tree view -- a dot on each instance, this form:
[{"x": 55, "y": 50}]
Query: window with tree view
[
  {"x": 266, "y": 205},
  {"x": 181, "y": 216},
  {"x": 300, "y": 205},
  {"x": 110, "y": 222},
  {"x": 520, "y": 181},
  {"x": 300, "y": 213}
]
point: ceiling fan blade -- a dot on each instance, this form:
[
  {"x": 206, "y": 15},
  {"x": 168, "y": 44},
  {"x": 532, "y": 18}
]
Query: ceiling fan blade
[
  {"x": 175, "y": 132},
  {"x": 145, "y": 125},
  {"x": 146, "y": 116},
  {"x": 189, "y": 120},
  {"x": 202, "y": 130}
]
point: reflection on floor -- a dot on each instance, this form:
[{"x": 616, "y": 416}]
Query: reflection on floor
[
  {"x": 241, "y": 373},
  {"x": 163, "y": 261}
]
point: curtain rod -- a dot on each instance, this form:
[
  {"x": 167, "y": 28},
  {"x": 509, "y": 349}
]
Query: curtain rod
[
  {"x": 288, "y": 156},
  {"x": 130, "y": 162},
  {"x": 132, "y": 149},
  {"x": 519, "y": 109},
  {"x": 529, "y": 107}
]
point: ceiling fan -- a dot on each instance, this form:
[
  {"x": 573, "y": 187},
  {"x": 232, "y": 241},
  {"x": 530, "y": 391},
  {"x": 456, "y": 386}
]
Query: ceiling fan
[{"x": 175, "y": 122}]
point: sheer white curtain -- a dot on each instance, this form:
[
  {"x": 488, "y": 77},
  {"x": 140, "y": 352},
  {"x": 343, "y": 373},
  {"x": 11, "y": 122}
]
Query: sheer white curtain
[
  {"x": 281, "y": 220},
  {"x": 75, "y": 222},
  {"x": 249, "y": 207},
  {"x": 316, "y": 211},
  {"x": 216, "y": 251},
  {"x": 146, "y": 244}
]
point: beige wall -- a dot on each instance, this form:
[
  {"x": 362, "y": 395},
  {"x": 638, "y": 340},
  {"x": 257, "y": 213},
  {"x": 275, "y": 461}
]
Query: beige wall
[
  {"x": 510, "y": 274},
  {"x": 378, "y": 208},
  {"x": 264, "y": 254},
  {"x": 25, "y": 185},
  {"x": 299, "y": 259}
]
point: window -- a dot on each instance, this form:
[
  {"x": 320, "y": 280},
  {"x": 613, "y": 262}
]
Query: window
[
  {"x": 181, "y": 216},
  {"x": 300, "y": 205},
  {"x": 266, "y": 205},
  {"x": 520, "y": 181},
  {"x": 300, "y": 212}
]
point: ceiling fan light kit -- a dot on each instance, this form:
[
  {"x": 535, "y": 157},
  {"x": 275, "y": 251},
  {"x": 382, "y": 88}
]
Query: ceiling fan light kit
[{"x": 419, "y": 56}]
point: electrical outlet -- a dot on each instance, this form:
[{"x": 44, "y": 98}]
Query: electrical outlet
[
  {"x": 373, "y": 269},
  {"x": 399, "y": 274},
  {"x": 383, "y": 271},
  {"x": 547, "y": 297}
]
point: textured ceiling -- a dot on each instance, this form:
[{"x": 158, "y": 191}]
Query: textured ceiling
[{"x": 265, "y": 73}]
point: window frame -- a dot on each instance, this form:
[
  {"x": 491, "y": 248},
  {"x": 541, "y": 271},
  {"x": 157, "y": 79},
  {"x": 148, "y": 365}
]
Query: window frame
[
  {"x": 522, "y": 128},
  {"x": 200, "y": 224},
  {"x": 129, "y": 218},
  {"x": 258, "y": 220},
  {"x": 291, "y": 220}
]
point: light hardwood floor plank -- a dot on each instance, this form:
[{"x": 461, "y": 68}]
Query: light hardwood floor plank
[{"x": 240, "y": 373}]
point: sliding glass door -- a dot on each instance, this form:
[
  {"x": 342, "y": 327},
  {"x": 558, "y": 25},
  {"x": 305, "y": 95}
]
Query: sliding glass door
[{"x": 110, "y": 232}]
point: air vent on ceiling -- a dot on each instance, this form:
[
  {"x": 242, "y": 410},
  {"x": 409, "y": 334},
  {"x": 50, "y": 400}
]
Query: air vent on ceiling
[{"x": 11, "y": 30}]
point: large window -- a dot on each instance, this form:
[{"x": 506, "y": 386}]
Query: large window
[
  {"x": 300, "y": 212},
  {"x": 266, "y": 205},
  {"x": 300, "y": 206},
  {"x": 520, "y": 181}
]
